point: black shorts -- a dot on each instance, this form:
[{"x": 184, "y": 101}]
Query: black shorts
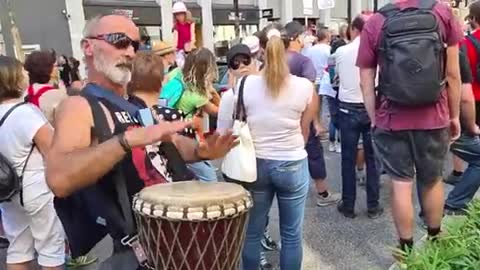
[
  {"x": 316, "y": 159},
  {"x": 477, "y": 112},
  {"x": 410, "y": 153}
]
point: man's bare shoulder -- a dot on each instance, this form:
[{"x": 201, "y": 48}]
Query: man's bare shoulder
[
  {"x": 74, "y": 104},
  {"x": 75, "y": 107}
]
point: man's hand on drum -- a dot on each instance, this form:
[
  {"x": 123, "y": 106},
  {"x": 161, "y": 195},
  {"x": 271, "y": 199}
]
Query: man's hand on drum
[
  {"x": 216, "y": 146},
  {"x": 161, "y": 132}
]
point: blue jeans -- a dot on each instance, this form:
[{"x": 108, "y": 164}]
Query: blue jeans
[
  {"x": 354, "y": 122},
  {"x": 289, "y": 181},
  {"x": 204, "y": 171},
  {"x": 333, "y": 126},
  {"x": 468, "y": 149}
]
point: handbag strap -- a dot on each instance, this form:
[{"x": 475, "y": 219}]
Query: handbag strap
[{"x": 240, "y": 113}]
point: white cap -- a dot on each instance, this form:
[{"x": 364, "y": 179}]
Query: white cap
[
  {"x": 274, "y": 33},
  {"x": 179, "y": 7},
  {"x": 253, "y": 43}
]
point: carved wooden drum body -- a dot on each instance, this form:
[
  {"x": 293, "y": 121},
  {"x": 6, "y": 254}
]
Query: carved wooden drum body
[{"x": 192, "y": 225}]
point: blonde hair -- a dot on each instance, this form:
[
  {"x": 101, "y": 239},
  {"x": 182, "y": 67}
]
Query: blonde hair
[
  {"x": 276, "y": 69},
  {"x": 189, "y": 17},
  {"x": 200, "y": 70}
]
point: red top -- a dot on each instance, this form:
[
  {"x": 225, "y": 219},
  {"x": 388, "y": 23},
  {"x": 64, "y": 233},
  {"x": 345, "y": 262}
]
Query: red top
[
  {"x": 184, "y": 34},
  {"x": 473, "y": 58},
  {"x": 391, "y": 116},
  {"x": 34, "y": 97}
]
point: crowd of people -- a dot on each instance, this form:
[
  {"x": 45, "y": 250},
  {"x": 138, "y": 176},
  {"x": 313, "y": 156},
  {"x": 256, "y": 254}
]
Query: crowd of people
[{"x": 399, "y": 97}]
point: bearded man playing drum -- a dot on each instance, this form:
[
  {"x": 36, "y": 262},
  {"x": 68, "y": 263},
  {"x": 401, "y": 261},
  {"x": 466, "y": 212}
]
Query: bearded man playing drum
[{"x": 86, "y": 162}]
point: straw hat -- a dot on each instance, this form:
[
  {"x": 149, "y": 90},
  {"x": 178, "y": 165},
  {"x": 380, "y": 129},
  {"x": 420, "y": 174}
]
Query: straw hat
[{"x": 162, "y": 48}]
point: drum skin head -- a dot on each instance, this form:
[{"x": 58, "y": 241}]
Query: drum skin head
[{"x": 192, "y": 200}]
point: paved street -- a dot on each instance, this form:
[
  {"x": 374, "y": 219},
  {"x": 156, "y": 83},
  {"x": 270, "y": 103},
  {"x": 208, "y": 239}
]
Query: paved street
[{"x": 332, "y": 242}]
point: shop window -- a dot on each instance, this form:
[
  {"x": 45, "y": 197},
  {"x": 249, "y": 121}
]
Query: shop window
[
  {"x": 154, "y": 32},
  {"x": 227, "y": 32}
]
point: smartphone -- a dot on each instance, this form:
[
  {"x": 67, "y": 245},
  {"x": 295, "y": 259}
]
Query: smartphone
[{"x": 146, "y": 117}]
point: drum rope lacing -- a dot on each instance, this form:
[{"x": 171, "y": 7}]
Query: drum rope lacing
[
  {"x": 232, "y": 248},
  {"x": 147, "y": 212}
]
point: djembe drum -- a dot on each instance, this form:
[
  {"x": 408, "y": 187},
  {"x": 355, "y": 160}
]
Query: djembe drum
[{"x": 192, "y": 225}]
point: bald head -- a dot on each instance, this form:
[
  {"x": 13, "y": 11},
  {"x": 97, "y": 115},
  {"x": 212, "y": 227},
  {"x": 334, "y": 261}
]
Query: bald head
[
  {"x": 110, "y": 24},
  {"x": 109, "y": 46}
]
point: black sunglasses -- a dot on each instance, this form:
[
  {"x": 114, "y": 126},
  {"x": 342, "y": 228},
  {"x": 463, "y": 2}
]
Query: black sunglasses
[
  {"x": 235, "y": 63},
  {"x": 118, "y": 40}
]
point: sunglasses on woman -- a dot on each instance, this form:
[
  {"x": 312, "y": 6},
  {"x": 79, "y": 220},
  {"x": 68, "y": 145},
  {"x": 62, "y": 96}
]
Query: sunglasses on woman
[
  {"x": 237, "y": 61},
  {"x": 118, "y": 40}
]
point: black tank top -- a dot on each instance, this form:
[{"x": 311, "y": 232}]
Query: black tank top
[
  {"x": 142, "y": 167},
  {"x": 90, "y": 213}
]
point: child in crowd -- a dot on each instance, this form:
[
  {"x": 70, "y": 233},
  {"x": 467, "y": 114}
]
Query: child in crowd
[{"x": 183, "y": 31}]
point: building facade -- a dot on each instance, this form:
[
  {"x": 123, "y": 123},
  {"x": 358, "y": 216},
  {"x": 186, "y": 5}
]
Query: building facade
[
  {"x": 43, "y": 25},
  {"x": 58, "y": 24}
]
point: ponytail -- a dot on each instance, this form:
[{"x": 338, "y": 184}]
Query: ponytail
[{"x": 276, "y": 69}]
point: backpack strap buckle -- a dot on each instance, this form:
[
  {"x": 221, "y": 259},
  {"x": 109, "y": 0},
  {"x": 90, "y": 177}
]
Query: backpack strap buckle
[{"x": 128, "y": 240}]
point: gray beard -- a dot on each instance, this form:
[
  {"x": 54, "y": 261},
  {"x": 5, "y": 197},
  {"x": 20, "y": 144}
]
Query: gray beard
[{"x": 117, "y": 75}]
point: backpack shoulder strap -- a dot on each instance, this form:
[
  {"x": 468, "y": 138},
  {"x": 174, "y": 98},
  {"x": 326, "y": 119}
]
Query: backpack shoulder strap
[
  {"x": 475, "y": 43},
  {"x": 5, "y": 116},
  {"x": 463, "y": 48},
  {"x": 42, "y": 90},
  {"x": 35, "y": 97},
  {"x": 389, "y": 10},
  {"x": 30, "y": 92},
  {"x": 102, "y": 129}
]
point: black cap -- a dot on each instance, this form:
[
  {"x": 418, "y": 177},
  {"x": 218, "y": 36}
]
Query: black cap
[
  {"x": 239, "y": 49},
  {"x": 293, "y": 29}
]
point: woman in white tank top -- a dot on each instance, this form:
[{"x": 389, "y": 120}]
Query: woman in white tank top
[{"x": 279, "y": 112}]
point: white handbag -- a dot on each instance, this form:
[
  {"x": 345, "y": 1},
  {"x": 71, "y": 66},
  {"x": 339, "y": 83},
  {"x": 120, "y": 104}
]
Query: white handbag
[{"x": 240, "y": 164}]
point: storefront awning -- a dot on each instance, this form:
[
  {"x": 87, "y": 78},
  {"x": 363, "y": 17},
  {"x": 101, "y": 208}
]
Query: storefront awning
[
  {"x": 224, "y": 14},
  {"x": 142, "y": 12}
]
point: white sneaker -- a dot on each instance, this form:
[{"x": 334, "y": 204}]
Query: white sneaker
[
  {"x": 332, "y": 198},
  {"x": 361, "y": 177},
  {"x": 332, "y": 147},
  {"x": 338, "y": 148}
]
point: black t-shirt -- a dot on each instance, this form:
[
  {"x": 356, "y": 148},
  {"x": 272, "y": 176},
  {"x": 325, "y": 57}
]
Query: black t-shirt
[
  {"x": 465, "y": 74},
  {"x": 465, "y": 71},
  {"x": 337, "y": 44}
]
